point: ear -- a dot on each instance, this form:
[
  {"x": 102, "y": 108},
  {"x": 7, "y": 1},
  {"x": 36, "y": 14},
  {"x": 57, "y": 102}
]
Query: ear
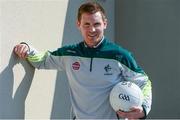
[
  {"x": 78, "y": 24},
  {"x": 105, "y": 23}
]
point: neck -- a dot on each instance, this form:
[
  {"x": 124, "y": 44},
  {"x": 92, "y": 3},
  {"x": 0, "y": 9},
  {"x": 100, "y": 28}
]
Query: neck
[{"x": 97, "y": 44}]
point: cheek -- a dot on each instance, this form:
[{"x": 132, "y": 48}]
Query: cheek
[
  {"x": 100, "y": 30},
  {"x": 81, "y": 29},
  {"x": 83, "y": 32}
]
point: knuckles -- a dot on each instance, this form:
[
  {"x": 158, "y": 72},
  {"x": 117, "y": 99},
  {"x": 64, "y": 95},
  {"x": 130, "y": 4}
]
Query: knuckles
[{"x": 21, "y": 50}]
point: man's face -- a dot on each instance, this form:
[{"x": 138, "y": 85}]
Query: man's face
[{"x": 92, "y": 28}]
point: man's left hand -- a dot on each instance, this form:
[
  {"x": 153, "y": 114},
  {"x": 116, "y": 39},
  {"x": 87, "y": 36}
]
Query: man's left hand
[{"x": 134, "y": 113}]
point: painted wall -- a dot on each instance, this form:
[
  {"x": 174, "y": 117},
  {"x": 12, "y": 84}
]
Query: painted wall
[
  {"x": 26, "y": 92},
  {"x": 151, "y": 30}
]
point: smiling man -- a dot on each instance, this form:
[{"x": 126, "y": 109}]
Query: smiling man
[
  {"x": 93, "y": 66},
  {"x": 92, "y": 25}
]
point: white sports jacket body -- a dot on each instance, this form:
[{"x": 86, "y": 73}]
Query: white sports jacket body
[{"x": 92, "y": 73}]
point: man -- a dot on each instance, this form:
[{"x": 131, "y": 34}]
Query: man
[{"x": 93, "y": 67}]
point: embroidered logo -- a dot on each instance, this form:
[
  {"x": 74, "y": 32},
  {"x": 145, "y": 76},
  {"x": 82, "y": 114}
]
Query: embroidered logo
[
  {"x": 108, "y": 70},
  {"x": 76, "y": 66}
]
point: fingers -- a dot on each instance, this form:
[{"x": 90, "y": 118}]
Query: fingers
[
  {"x": 136, "y": 109},
  {"x": 122, "y": 114},
  {"x": 134, "y": 113},
  {"x": 21, "y": 50}
]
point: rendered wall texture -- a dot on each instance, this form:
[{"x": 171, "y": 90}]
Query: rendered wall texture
[{"x": 24, "y": 91}]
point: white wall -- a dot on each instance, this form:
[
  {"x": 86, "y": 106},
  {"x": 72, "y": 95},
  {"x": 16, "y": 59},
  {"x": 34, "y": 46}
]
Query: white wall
[
  {"x": 40, "y": 23},
  {"x": 45, "y": 24}
]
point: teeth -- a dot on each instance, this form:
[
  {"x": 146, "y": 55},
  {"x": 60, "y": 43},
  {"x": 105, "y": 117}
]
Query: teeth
[{"x": 92, "y": 35}]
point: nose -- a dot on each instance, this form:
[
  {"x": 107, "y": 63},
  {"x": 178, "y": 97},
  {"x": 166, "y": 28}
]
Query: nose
[{"x": 92, "y": 29}]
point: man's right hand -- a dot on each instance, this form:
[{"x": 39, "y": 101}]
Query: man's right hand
[{"x": 21, "y": 50}]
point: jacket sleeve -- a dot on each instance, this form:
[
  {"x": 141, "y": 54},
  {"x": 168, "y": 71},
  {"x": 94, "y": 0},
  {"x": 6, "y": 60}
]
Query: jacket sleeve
[
  {"x": 44, "y": 60},
  {"x": 132, "y": 72}
]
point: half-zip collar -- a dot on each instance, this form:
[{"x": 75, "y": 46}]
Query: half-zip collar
[
  {"x": 91, "y": 51},
  {"x": 91, "y": 62}
]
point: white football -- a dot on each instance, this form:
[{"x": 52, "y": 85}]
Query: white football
[{"x": 125, "y": 95}]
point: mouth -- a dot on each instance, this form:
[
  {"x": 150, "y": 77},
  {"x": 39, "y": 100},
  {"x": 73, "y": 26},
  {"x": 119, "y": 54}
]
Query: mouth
[{"x": 92, "y": 35}]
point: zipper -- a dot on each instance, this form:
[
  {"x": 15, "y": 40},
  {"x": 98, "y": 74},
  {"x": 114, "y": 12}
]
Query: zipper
[{"x": 91, "y": 64}]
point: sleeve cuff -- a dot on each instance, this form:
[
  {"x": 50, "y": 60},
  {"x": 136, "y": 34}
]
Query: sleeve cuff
[
  {"x": 26, "y": 44},
  {"x": 32, "y": 51},
  {"x": 145, "y": 114}
]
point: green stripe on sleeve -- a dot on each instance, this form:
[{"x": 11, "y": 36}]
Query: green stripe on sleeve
[
  {"x": 38, "y": 57},
  {"x": 147, "y": 89}
]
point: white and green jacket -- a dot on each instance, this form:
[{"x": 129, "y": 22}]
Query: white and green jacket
[{"x": 92, "y": 73}]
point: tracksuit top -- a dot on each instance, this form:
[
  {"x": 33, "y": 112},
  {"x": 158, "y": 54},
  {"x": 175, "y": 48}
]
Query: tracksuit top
[{"x": 92, "y": 73}]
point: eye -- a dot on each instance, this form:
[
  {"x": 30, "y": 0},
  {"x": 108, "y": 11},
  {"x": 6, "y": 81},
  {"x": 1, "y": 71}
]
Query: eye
[
  {"x": 86, "y": 25},
  {"x": 97, "y": 24}
]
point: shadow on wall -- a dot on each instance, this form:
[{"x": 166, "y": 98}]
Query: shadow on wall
[
  {"x": 14, "y": 106},
  {"x": 61, "y": 103},
  {"x": 61, "y": 108}
]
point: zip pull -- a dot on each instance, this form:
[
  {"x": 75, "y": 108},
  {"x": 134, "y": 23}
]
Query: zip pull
[{"x": 91, "y": 64}]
